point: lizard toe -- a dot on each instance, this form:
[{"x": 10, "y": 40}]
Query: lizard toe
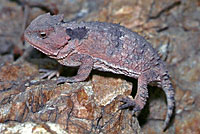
[
  {"x": 128, "y": 102},
  {"x": 65, "y": 79},
  {"x": 49, "y": 74}
]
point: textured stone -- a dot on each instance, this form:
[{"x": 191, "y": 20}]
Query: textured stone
[
  {"x": 178, "y": 28},
  {"x": 77, "y": 107}
]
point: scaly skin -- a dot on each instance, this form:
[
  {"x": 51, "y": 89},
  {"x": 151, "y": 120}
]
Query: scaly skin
[{"x": 105, "y": 47}]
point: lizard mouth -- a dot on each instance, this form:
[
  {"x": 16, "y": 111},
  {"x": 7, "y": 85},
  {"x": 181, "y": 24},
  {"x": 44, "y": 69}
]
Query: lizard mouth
[
  {"x": 49, "y": 48},
  {"x": 43, "y": 49},
  {"x": 51, "y": 53}
]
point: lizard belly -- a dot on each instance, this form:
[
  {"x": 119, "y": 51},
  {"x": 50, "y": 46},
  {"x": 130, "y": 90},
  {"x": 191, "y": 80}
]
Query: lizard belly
[{"x": 102, "y": 65}]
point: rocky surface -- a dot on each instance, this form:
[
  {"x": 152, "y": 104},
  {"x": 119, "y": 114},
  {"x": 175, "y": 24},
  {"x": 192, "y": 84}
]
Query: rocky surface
[
  {"x": 29, "y": 104},
  {"x": 86, "y": 107}
]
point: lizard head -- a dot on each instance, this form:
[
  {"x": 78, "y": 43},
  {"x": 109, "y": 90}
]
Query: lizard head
[{"x": 46, "y": 34}]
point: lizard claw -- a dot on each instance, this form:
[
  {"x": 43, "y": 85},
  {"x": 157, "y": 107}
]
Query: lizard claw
[
  {"x": 64, "y": 79},
  {"x": 49, "y": 73},
  {"x": 128, "y": 102},
  {"x": 61, "y": 80}
]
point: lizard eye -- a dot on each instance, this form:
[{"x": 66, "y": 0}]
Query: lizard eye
[{"x": 43, "y": 35}]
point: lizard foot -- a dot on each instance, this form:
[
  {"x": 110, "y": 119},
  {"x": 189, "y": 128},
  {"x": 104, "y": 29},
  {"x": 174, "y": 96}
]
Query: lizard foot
[
  {"x": 129, "y": 102},
  {"x": 49, "y": 73},
  {"x": 65, "y": 79}
]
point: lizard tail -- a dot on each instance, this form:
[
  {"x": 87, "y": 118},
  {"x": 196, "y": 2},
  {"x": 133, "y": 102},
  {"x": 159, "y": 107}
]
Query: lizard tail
[{"x": 170, "y": 93}]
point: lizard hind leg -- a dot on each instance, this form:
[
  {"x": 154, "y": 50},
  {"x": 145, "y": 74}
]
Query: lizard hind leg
[{"x": 141, "y": 96}]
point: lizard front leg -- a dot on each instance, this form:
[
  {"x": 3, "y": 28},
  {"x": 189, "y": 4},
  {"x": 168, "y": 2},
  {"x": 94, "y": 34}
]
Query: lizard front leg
[
  {"x": 83, "y": 71},
  {"x": 141, "y": 96}
]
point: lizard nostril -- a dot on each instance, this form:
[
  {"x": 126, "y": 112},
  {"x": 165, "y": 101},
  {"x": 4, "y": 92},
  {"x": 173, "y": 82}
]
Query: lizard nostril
[{"x": 43, "y": 35}]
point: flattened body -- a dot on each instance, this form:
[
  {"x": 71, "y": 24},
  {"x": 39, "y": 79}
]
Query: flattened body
[
  {"x": 102, "y": 46},
  {"x": 114, "y": 47}
]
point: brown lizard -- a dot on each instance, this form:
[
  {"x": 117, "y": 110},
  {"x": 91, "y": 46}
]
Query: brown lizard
[{"x": 105, "y": 47}]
